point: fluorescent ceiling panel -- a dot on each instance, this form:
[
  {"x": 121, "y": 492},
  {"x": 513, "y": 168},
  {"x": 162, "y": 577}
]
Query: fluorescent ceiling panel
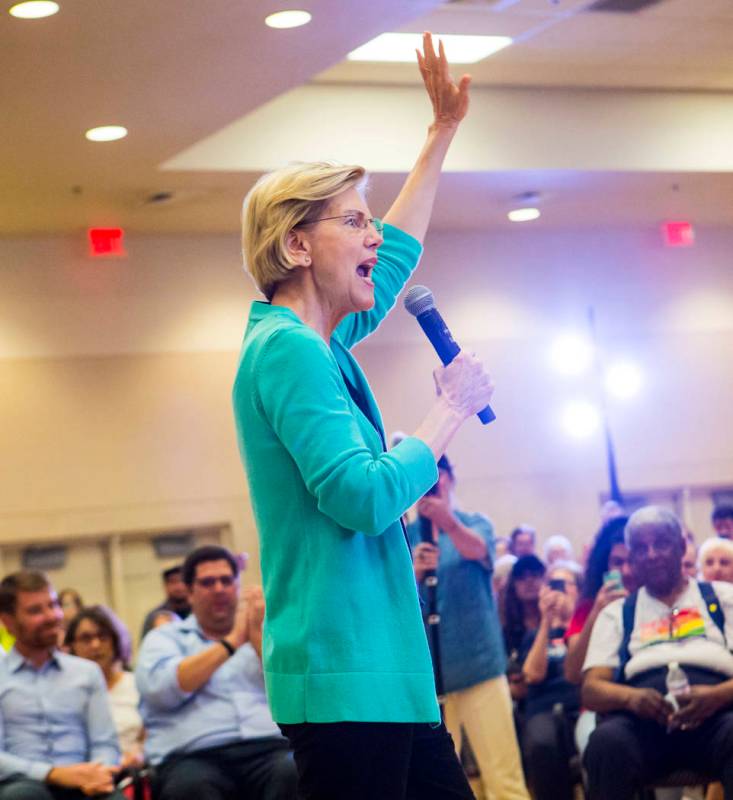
[{"x": 401, "y": 47}]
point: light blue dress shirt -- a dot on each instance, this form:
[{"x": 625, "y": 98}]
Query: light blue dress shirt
[
  {"x": 230, "y": 707},
  {"x": 58, "y": 714}
]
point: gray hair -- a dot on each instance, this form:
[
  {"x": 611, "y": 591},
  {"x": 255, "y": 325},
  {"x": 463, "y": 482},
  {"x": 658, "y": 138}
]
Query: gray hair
[
  {"x": 557, "y": 540},
  {"x": 713, "y": 543},
  {"x": 655, "y": 516}
]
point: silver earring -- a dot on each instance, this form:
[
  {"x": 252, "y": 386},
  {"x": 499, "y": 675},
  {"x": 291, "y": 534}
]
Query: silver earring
[{"x": 307, "y": 259}]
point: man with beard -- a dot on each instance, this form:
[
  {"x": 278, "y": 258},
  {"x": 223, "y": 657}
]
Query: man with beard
[
  {"x": 672, "y": 618},
  {"x": 209, "y": 731},
  {"x": 57, "y": 737}
]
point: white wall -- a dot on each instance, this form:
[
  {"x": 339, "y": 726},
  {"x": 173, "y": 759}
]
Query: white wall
[{"x": 115, "y": 376}]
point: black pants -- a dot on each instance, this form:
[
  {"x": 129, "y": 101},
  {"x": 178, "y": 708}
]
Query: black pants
[
  {"x": 625, "y": 753},
  {"x": 22, "y": 788},
  {"x": 258, "y": 769},
  {"x": 547, "y": 752},
  {"x": 376, "y": 761}
]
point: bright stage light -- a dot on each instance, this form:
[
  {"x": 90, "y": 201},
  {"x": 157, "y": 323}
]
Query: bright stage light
[
  {"x": 623, "y": 380},
  {"x": 571, "y": 354},
  {"x": 581, "y": 419}
]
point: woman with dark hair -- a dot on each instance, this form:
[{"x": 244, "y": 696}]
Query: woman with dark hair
[
  {"x": 92, "y": 635},
  {"x": 521, "y": 602},
  {"x": 539, "y": 606},
  {"x": 71, "y": 604},
  {"x": 607, "y": 577}
]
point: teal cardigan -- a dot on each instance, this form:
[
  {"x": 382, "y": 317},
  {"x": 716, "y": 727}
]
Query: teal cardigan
[{"x": 343, "y": 638}]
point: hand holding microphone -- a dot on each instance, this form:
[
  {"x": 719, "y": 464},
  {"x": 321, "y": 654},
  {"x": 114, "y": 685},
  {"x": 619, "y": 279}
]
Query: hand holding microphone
[
  {"x": 462, "y": 382},
  {"x": 466, "y": 387}
]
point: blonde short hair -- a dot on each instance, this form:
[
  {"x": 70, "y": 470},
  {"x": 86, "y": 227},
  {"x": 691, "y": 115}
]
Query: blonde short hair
[{"x": 279, "y": 202}]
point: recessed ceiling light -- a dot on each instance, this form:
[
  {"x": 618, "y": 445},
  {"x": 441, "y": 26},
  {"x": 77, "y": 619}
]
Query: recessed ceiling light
[
  {"x": 288, "y": 19},
  {"x": 106, "y": 133},
  {"x": 523, "y": 214},
  {"x": 402, "y": 46},
  {"x": 34, "y": 9}
]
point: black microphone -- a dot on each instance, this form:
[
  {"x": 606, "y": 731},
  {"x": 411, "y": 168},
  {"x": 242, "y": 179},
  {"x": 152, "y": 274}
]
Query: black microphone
[{"x": 420, "y": 303}]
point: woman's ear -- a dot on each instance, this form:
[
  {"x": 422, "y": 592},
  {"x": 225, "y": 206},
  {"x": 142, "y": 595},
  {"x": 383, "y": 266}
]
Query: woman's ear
[{"x": 298, "y": 248}]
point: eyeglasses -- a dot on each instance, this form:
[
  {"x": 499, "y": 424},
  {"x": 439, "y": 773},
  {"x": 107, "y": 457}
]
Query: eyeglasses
[
  {"x": 210, "y": 581},
  {"x": 88, "y": 638},
  {"x": 356, "y": 220}
]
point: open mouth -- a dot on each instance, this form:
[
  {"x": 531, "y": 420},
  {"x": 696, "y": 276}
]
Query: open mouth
[{"x": 364, "y": 270}]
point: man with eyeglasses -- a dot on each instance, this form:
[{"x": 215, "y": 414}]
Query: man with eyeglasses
[
  {"x": 210, "y": 734},
  {"x": 57, "y": 737},
  {"x": 645, "y": 733}
]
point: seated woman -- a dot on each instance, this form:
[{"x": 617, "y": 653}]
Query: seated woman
[
  {"x": 92, "y": 635},
  {"x": 552, "y": 704}
]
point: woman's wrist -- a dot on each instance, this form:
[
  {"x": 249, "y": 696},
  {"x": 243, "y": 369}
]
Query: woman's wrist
[{"x": 447, "y": 129}]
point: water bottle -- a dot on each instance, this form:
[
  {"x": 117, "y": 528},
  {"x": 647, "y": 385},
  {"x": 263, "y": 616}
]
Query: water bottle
[{"x": 677, "y": 685}]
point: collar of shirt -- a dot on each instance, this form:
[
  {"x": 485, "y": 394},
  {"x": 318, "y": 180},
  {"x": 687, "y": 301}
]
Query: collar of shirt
[
  {"x": 191, "y": 623},
  {"x": 15, "y": 661}
]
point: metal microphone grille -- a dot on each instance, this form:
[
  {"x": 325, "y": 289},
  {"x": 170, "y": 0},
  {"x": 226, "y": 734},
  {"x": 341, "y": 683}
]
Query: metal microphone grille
[{"x": 419, "y": 299}]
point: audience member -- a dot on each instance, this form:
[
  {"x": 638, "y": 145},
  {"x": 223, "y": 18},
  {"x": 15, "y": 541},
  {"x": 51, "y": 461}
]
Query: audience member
[
  {"x": 7, "y": 640},
  {"x": 716, "y": 560},
  {"x": 552, "y": 703},
  {"x": 557, "y": 548},
  {"x": 473, "y": 660},
  {"x": 607, "y": 578},
  {"x": 689, "y": 560},
  {"x": 502, "y": 546},
  {"x": 176, "y": 598},
  {"x": 611, "y": 509},
  {"x": 499, "y": 579},
  {"x": 523, "y": 540},
  {"x": 71, "y": 604},
  {"x": 722, "y": 519},
  {"x": 670, "y": 619},
  {"x": 57, "y": 737},
  {"x": 163, "y": 617},
  {"x": 521, "y": 603},
  {"x": 92, "y": 635},
  {"x": 209, "y": 730}
]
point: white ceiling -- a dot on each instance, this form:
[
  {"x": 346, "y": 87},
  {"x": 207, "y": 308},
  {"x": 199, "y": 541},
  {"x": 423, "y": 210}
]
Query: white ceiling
[{"x": 187, "y": 76}]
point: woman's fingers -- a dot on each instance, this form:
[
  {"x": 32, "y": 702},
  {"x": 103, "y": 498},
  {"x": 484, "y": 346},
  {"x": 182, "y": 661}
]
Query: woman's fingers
[{"x": 443, "y": 64}]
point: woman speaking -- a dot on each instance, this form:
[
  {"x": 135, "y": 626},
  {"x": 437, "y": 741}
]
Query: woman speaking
[{"x": 346, "y": 661}]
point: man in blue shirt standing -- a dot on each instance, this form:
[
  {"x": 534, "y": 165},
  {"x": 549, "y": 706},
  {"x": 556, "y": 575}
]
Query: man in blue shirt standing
[
  {"x": 472, "y": 656},
  {"x": 57, "y": 737},
  {"x": 210, "y": 733}
]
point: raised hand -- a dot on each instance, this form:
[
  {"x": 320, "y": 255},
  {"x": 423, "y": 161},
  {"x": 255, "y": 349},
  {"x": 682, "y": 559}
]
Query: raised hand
[{"x": 450, "y": 100}]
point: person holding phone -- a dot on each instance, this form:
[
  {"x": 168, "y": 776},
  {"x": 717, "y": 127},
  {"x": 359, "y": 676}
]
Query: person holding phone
[
  {"x": 472, "y": 656},
  {"x": 545, "y": 752},
  {"x": 607, "y": 577}
]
